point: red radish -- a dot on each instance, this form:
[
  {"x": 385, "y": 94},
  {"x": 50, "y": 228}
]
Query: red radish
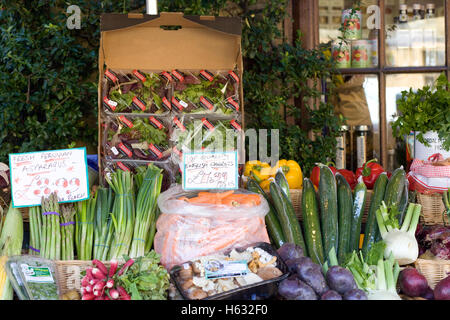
[
  {"x": 125, "y": 266},
  {"x": 110, "y": 283},
  {"x": 88, "y": 296},
  {"x": 113, "y": 268},
  {"x": 98, "y": 274},
  {"x": 99, "y": 286},
  {"x": 94, "y": 281},
  {"x": 100, "y": 266},
  {"x": 89, "y": 273},
  {"x": 412, "y": 283},
  {"x": 114, "y": 294},
  {"x": 97, "y": 293},
  {"x": 123, "y": 293},
  {"x": 85, "y": 281},
  {"x": 106, "y": 298},
  {"x": 442, "y": 289},
  {"x": 88, "y": 288}
]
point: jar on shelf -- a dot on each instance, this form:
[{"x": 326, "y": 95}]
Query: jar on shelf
[
  {"x": 341, "y": 51},
  {"x": 342, "y": 147},
  {"x": 352, "y": 24},
  {"x": 361, "y": 50}
]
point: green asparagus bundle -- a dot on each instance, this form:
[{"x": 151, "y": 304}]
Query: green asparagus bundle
[
  {"x": 67, "y": 232},
  {"x": 51, "y": 230},
  {"x": 123, "y": 213},
  {"x": 103, "y": 232},
  {"x": 35, "y": 230},
  {"x": 84, "y": 228},
  {"x": 149, "y": 191}
]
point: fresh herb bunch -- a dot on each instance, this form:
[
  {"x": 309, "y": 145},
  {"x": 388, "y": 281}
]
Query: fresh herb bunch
[
  {"x": 142, "y": 130},
  {"x": 146, "y": 279},
  {"x": 425, "y": 110}
]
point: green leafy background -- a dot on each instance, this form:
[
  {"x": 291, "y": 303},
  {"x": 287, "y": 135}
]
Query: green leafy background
[{"x": 48, "y": 75}]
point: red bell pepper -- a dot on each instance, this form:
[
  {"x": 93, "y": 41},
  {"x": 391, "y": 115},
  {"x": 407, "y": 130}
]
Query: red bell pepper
[
  {"x": 349, "y": 176},
  {"x": 370, "y": 172},
  {"x": 315, "y": 173}
]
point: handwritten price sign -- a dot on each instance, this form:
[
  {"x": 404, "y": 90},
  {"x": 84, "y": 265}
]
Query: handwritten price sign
[
  {"x": 210, "y": 170},
  {"x": 38, "y": 174}
]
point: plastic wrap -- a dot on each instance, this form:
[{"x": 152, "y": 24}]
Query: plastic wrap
[{"x": 186, "y": 231}]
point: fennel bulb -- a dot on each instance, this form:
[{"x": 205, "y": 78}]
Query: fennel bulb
[{"x": 400, "y": 241}]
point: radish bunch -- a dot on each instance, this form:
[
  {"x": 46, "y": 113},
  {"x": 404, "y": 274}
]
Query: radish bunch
[{"x": 99, "y": 282}]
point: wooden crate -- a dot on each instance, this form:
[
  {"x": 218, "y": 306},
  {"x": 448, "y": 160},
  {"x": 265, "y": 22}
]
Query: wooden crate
[{"x": 432, "y": 209}]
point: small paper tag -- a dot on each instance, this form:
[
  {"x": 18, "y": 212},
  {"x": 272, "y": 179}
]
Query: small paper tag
[
  {"x": 125, "y": 121},
  {"x": 233, "y": 76},
  {"x": 115, "y": 151},
  {"x": 178, "y": 75},
  {"x": 139, "y": 75},
  {"x": 232, "y": 104},
  {"x": 110, "y": 104},
  {"x": 125, "y": 151},
  {"x": 217, "y": 269},
  {"x": 139, "y": 104},
  {"x": 37, "y": 274},
  {"x": 166, "y": 104},
  {"x": 122, "y": 166},
  {"x": 208, "y": 125},
  {"x": 156, "y": 123},
  {"x": 166, "y": 76},
  {"x": 206, "y": 75},
  {"x": 155, "y": 150},
  {"x": 206, "y": 103},
  {"x": 111, "y": 76},
  {"x": 176, "y": 103},
  {"x": 179, "y": 124},
  {"x": 236, "y": 125}
]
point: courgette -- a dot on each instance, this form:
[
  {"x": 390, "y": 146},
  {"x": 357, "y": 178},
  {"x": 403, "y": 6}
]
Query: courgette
[
  {"x": 371, "y": 232},
  {"x": 394, "y": 188},
  {"x": 403, "y": 203},
  {"x": 280, "y": 178},
  {"x": 311, "y": 223},
  {"x": 345, "y": 205},
  {"x": 285, "y": 211},
  {"x": 328, "y": 208},
  {"x": 272, "y": 222},
  {"x": 359, "y": 201}
]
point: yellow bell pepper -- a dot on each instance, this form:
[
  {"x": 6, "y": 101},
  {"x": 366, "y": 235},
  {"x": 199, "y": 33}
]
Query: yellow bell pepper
[
  {"x": 292, "y": 171},
  {"x": 257, "y": 170}
]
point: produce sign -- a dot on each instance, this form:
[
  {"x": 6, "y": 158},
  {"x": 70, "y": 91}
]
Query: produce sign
[
  {"x": 38, "y": 174},
  {"x": 210, "y": 170}
]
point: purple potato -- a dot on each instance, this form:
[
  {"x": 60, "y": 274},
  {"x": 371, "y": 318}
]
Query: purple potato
[
  {"x": 290, "y": 288},
  {"x": 331, "y": 295},
  {"x": 292, "y": 264},
  {"x": 312, "y": 276},
  {"x": 355, "y": 294},
  {"x": 340, "y": 279},
  {"x": 290, "y": 251},
  {"x": 306, "y": 292}
]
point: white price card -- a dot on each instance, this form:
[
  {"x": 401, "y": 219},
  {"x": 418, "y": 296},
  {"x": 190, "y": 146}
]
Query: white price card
[
  {"x": 210, "y": 170},
  {"x": 37, "y": 174}
]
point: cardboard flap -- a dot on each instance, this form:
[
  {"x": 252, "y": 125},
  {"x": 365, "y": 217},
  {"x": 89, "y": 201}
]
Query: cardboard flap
[{"x": 144, "y": 41}]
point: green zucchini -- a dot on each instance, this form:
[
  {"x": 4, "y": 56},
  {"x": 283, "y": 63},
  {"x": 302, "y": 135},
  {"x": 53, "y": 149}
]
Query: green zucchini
[
  {"x": 345, "y": 205},
  {"x": 403, "y": 203},
  {"x": 328, "y": 208},
  {"x": 311, "y": 223},
  {"x": 280, "y": 178},
  {"x": 394, "y": 188},
  {"x": 359, "y": 201},
  {"x": 371, "y": 232},
  {"x": 272, "y": 222},
  {"x": 286, "y": 214}
]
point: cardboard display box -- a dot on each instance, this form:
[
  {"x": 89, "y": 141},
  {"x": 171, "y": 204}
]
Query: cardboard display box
[{"x": 165, "y": 42}]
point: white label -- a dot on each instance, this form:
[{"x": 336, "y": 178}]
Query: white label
[
  {"x": 37, "y": 274},
  {"x": 340, "y": 153},
  {"x": 216, "y": 269},
  {"x": 183, "y": 104},
  {"x": 361, "y": 151},
  {"x": 115, "y": 151},
  {"x": 422, "y": 152},
  {"x": 113, "y": 103},
  {"x": 210, "y": 170},
  {"x": 37, "y": 174}
]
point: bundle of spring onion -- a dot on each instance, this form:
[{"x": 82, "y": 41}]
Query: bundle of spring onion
[
  {"x": 103, "y": 232},
  {"x": 123, "y": 212},
  {"x": 35, "y": 217},
  {"x": 84, "y": 230},
  {"x": 11, "y": 239},
  {"x": 50, "y": 238},
  {"x": 146, "y": 205}
]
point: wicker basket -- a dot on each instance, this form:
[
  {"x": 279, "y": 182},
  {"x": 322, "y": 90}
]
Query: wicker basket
[
  {"x": 432, "y": 209},
  {"x": 296, "y": 196},
  {"x": 433, "y": 270},
  {"x": 68, "y": 274}
]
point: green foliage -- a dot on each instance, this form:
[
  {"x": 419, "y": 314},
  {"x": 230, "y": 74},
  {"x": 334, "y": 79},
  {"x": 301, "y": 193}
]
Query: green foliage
[
  {"x": 48, "y": 75},
  {"x": 425, "y": 110}
]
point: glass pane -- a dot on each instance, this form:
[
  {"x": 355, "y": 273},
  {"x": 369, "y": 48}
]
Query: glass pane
[
  {"x": 415, "y": 33},
  {"x": 357, "y": 100},
  {"x": 395, "y": 84},
  {"x": 360, "y": 49}
]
